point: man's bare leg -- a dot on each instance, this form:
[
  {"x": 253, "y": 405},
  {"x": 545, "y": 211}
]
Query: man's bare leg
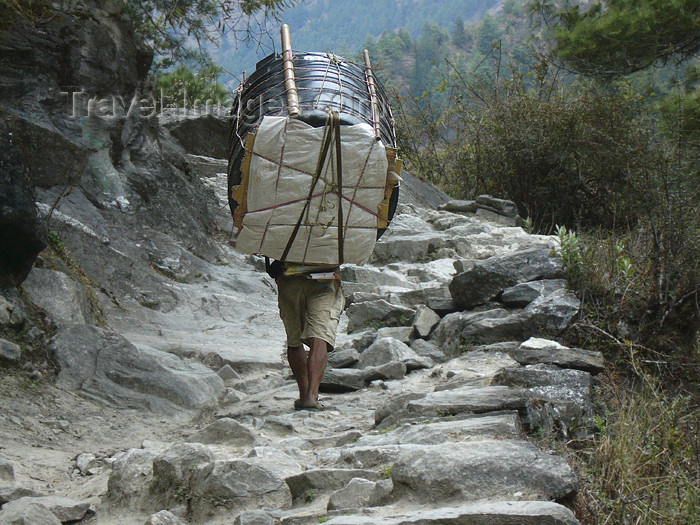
[
  {"x": 296, "y": 355},
  {"x": 315, "y": 365}
]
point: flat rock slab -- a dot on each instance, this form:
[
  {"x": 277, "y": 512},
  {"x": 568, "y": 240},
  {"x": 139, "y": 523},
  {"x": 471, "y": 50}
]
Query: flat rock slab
[
  {"x": 498, "y": 426},
  {"x": 225, "y": 431},
  {"x": 325, "y": 480},
  {"x": 24, "y": 512},
  {"x": 476, "y": 368},
  {"x": 104, "y": 366},
  {"x": 14, "y": 492},
  {"x": 64, "y": 509},
  {"x": 498, "y": 513},
  {"x": 537, "y": 350},
  {"x": 489, "y": 469},
  {"x": 475, "y": 400},
  {"x": 360, "y": 493},
  {"x": 524, "y": 293}
]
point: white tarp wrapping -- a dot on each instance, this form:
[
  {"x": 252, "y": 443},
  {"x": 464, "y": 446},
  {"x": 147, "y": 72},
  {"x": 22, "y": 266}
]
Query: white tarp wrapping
[{"x": 284, "y": 159}]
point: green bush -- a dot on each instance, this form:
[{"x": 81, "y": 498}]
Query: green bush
[{"x": 183, "y": 86}]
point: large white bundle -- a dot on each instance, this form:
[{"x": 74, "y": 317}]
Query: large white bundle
[{"x": 284, "y": 159}]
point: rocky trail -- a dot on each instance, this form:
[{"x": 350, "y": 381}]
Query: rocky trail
[
  {"x": 444, "y": 363},
  {"x": 143, "y": 377}
]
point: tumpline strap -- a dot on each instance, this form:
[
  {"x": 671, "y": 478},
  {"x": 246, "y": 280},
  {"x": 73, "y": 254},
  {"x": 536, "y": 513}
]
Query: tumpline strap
[{"x": 339, "y": 166}]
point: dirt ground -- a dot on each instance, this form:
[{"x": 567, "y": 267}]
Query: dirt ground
[{"x": 43, "y": 429}]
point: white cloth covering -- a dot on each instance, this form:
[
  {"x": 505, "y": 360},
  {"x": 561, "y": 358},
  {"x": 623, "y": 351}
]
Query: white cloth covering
[{"x": 285, "y": 155}]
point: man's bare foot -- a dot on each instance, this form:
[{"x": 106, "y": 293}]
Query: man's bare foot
[{"x": 309, "y": 405}]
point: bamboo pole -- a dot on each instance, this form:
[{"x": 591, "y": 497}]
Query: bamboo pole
[
  {"x": 290, "y": 85},
  {"x": 373, "y": 95}
]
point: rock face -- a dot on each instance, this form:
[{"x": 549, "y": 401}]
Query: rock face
[
  {"x": 105, "y": 366},
  {"x": 204, "y": 134},
  {"x": 22, "y": 235}
]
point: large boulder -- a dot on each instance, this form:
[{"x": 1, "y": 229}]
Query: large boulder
[
  {"x": 87, "y": 48},
  {"x": 488, "y": 278},
  {"x": 7, "y": 471},
  {"x": 51, "y": 158},
  {"x": 559, "y": 399},
  {"x": 243, "y": 483},
  {"x": 420, "y": 193},
  {"x": 537, "y": 350},
  {"x": 10, "y": 352},
  {"x": 424, "y": 321},
  {"x": 103, "y": 365},
  {"x": 457, "y": 331},
  {"x": 409, "y": 247},
  {"x": 360, "y": 493}
]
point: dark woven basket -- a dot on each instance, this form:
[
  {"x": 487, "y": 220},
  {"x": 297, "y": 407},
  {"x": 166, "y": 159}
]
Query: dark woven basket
[{"x": 323, "y": 81}]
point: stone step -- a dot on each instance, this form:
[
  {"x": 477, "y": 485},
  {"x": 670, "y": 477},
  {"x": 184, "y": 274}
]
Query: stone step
[
  {"x": 496, "y": 426},
  {"x": 499, "y": 513}
]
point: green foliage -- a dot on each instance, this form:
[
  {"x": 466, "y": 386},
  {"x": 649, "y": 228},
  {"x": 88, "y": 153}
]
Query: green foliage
[
  {"x": 619, "y": 37},
  {"x": 460, "y": 37},
  {"x": 564, "y": 156},
  {"x": 182, "y": 87},
  {"x": 13, "y": 12},
  {"x": 570, "y": 251},
  {"x": 339, "y": 26},
  {"x": 615, "y": 161},
  {"x": 170, "y": 26}
]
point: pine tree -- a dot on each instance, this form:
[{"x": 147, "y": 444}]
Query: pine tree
[{"x": 622, "y": 36}]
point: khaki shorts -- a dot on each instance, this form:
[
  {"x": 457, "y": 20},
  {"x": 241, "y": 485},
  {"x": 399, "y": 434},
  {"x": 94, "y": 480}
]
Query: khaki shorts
[{"x": 310, "y": 308}]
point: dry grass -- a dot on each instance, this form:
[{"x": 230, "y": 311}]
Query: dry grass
[{"x": 643, "y": 466}]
